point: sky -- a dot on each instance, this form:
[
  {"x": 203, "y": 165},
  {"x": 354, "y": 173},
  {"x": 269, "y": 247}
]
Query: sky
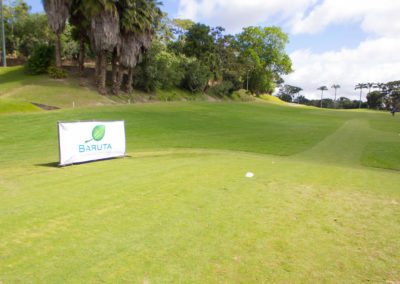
[{"x": 341, "y": 42}]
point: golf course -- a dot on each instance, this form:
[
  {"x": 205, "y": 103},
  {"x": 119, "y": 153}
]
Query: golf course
[{"x": 323, "y": 205}]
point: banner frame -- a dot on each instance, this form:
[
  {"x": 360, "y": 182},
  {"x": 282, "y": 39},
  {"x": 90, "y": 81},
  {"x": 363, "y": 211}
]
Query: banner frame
[{"x": 88, "y": 161}]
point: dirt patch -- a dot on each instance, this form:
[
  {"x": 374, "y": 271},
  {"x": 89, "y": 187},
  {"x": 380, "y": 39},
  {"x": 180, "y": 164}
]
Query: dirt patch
[{"x": 45, "y": 107}]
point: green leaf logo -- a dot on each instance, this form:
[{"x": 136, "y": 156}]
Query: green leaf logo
[{"x": 98, "y": 133}]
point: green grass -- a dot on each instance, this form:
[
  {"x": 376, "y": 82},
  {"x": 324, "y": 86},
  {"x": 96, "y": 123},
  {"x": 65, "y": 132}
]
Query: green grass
[
  {"x": 382, "y": 155},
  {"x": 65, "y": 93},
  {"x": 12, "y": 106},
  {"x": 273, "y": 99},
  {"x": 320, "y": 208}
]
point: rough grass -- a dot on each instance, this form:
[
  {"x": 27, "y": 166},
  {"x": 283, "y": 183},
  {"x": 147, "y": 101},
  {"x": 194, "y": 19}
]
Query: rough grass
[{"x": 272, "y": 99}]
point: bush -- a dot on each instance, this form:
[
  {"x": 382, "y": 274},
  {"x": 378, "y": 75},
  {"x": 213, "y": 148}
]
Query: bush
[
  {"x": 56, "y": 73},
  {"x": 221, "y": 90},
  {"x": 234, "y": 79},
  {"x": 40, "y": 60},
  {"x": 260, "y": 81},
  {"x": 160, "y": 69},
  {"x": 242, "y": 96},
  {"x": 196, "y": 76}
]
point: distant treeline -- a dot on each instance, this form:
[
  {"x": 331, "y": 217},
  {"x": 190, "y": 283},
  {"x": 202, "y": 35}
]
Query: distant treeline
[{"x": 380, "y": 96}]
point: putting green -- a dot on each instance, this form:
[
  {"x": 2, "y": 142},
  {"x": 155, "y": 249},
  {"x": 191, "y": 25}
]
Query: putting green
[{"x": 180, "y": 208}]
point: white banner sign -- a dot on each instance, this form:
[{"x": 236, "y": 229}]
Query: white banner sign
[{"x": 89, "y": 141}]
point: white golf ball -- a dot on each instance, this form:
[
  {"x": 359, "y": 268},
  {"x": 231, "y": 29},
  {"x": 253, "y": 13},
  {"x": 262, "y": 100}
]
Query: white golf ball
[{"x": 249, "y": 175}]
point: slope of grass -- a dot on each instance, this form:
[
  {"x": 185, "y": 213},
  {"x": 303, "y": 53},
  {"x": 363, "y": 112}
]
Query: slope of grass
[
  {"x": 66, "y": 93},
  {"x": 272, "y": 99},
  {"x": 261, "y": 128},
  {"x": 12, "y": 106}
]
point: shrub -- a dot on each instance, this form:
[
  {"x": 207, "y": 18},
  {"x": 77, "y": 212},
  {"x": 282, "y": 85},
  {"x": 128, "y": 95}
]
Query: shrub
[
  {"x": 160, "y": 69},
  {"x": 40, "y": 60},
  {"x": 242, "y": 96},
  {"x": 221, "y": 90},
  {"x": 234, "y": 79},
  {"x": 56, "y": 73},
  {"x": 196, "y": 76}
]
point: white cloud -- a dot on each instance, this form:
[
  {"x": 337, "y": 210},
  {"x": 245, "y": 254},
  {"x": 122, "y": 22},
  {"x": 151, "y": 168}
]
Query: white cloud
[
  {"x": 375, "y": 60},
  {"x": 301, "y": 16},
  {"x": 378, "y": 17},
  {"x": 235, "y": 14}
]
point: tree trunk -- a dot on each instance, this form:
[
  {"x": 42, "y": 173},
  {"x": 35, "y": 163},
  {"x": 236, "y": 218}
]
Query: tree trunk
[
  {"x": 120, "y": 76},
  {"x": 129, "y": 82},
  {"x": 115, "y": 71},
  {"x": 81, "y": 54},
  {"x": 97, "y": 67},
  {"x": 102, "y": 73},
  {"x": 322, "y": 95},
  {"x": 58, "y": 51}
]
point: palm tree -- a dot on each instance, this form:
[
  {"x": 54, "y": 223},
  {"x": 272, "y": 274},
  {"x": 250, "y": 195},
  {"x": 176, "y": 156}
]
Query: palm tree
[
  {"x": 81, "y": 25},
  {"x": 103, "y": 33},
  {"x": 322, "y": 89},
  {"x": 139, "y": 19},
  {"x": 370, "y": 86},
  {"x": 379, "y": 86},
  {"x": 335, "y": 86},
  {"x": 361, "y": 86},
  {"x": 57, "y": 13}
]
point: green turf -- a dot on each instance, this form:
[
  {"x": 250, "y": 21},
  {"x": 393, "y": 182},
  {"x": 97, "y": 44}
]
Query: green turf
[
  {"x": 12, "y": 106},
  {"x": 180, "y": 209},
  {"x": 382, "y": 155},
  {"x": 66, "y": 93}
]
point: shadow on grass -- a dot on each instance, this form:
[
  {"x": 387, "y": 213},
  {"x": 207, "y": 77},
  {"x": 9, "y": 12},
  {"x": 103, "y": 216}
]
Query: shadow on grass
[
  {"x": 49, "y": 165},
  {"x": 57, "y": 164}
]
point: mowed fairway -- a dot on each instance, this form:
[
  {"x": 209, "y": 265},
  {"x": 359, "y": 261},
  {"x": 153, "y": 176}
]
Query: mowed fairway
[{"x": 323, "y": 205}]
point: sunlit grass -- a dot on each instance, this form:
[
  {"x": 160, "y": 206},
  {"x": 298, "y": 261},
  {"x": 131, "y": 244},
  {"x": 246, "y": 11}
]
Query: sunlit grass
[{"x": 179, "y": 208}]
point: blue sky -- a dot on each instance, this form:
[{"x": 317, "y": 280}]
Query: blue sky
[{"x": 331, "y": 41}]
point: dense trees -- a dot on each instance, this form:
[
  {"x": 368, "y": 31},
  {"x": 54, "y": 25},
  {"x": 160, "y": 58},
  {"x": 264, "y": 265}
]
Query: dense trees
[
  {"x": 208, "y": 59},
  {"x": 120, "y": 30},
  {"x": 24, "y": 31},
  {"x": 262, "y": 53},
  {"x": 186, "y": 54},
  {"x": 141, "y": 47}
]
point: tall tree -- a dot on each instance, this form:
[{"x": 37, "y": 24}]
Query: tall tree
[
  {"x": 360, "y": 87},
  {"x": 80, "y": 33},
  {"x": 288, "y": 92},
  {"x": 335, "y": 86},
  {"x": 139, "y": 20},
  {"x": 57, "y": 13},
  {"x": 263, "y": 50},
  {"x": 322, "y": 89},
  {"x": 103, "y": 34}
]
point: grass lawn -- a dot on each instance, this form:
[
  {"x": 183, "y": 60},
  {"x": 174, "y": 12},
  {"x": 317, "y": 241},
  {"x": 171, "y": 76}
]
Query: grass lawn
[{"x": 323, "y": 205}]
